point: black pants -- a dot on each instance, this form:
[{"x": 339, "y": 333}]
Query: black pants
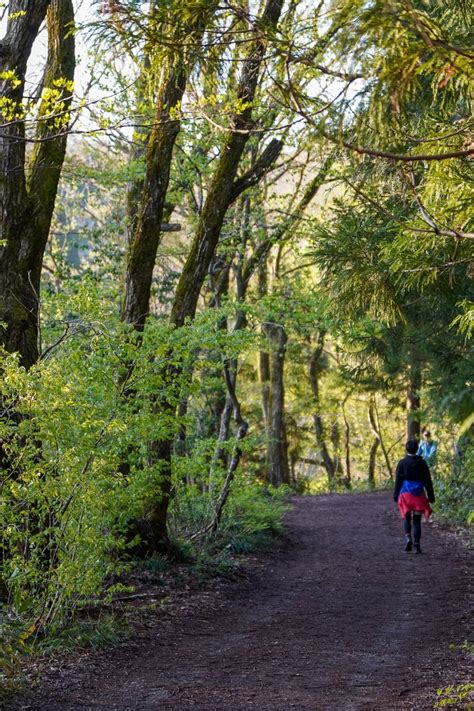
[{"x": 416, "y": 525}]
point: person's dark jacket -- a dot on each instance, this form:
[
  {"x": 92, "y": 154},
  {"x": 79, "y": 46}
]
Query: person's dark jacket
[{"x": 413, "y": 468}]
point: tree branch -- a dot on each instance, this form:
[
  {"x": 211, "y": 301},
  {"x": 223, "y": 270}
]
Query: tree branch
[
  {"x": 429, "y": 219},
  {"x": 261, "y": 166},
  {"x": 386, "y": 155}
]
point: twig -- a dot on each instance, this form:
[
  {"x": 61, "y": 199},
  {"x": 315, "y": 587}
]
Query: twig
[{"x": 54, "y": 345}]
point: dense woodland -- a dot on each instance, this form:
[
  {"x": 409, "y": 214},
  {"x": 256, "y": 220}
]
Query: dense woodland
[{"x": 235, "y": 261}]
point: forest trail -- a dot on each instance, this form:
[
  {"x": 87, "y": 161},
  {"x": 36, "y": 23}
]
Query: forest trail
[{"x": 343, "y": 618}]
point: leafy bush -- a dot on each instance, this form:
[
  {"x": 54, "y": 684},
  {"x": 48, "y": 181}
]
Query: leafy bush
[
  {"x": 70, "y": 421},
  {"x": 254, "y": 509},
  {"x": 455, "y": 487}
]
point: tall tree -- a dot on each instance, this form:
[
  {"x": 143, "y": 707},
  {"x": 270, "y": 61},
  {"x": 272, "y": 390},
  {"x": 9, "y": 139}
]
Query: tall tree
[
  {"x": 224, "y": 189},
  {"x": 177, "y": 61},
  {"x": 28, "y": 187},
  {"x": 278, "y": 471}
]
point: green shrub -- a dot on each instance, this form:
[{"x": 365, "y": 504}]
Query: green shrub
[
  {"x": 69, "y": 422},
  {"x": 14, "y": 644},
  {"x": 460, "y": 696},
  {"x": 454, "y": 485}
]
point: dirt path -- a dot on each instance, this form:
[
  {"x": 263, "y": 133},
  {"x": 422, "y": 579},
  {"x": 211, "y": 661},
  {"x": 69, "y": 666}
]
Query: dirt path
[{"x": 343, "y": 619}]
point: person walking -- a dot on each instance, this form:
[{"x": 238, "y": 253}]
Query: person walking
[
  {"x": 427, "y": 448},
  {"x": 413, "y": 493}
]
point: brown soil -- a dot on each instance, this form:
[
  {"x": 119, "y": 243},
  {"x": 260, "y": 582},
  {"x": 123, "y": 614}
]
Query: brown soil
[{"x": 340, "y": 618}]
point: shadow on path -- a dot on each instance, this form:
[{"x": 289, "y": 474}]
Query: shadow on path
[{"x": 345, "y": 619}]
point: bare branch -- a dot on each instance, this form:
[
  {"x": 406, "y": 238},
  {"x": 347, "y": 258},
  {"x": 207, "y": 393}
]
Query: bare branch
[
  {"x": 261, "y": 166},
  {"x": 386, "y": 155}
]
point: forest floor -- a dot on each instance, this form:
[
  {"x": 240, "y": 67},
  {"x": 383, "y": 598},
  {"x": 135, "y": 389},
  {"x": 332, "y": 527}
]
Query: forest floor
[{"x": 337, "y": 617}]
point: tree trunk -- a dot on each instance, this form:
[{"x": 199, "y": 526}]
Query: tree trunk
[
  {"x": 278, "y": 467},
  {"x": 376, "y": 421},
  {"x": 347, "y": 447},
  {"x": 413, "y": 400},
  {"x": 264, "y": 380},
  {"x": 224, "y": 187},
  {"x": 375, "y": 444},
  {"x": 335, "y": 437},
  {"x": 220, "y": 457},
  {"x": 235, "y": 458},
  {"x": 27, "y": 200},
  {"x": 151, "y": 527},
  {"x": 317, "y": 419},
  {"x": 145, "y": 225},
  {"x": 146, "y": 222},
  {"x": 372, "y": 460},
  {"x": 27, "y": 196},
  {"x": 263, "y": 361},
  {"x": 223, "y": 190},
  {"x": 220, "y": 397}
]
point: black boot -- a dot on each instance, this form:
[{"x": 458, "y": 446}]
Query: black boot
[
  {"x": 417, "y": 548},
  {"x": 408, "y": 543}
]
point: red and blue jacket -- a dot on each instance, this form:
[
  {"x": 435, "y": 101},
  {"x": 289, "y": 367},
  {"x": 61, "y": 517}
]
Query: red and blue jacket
[{"x": 412, "y": 476}]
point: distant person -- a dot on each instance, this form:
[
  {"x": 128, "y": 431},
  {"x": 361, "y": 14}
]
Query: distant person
[
  {"x": 427, "y": 448},
  {"x": 413, "y": 493}
]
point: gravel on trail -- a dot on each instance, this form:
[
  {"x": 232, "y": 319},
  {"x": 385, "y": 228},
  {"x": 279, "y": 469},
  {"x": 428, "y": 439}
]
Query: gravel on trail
[{"x": 339, "y": 617}]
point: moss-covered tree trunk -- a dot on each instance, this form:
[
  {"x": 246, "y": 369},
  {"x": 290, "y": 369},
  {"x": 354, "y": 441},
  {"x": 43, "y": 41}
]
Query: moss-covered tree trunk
[
  {"x": 224, "y": 189},
  {"x": 146, "y": 221},
  {"x": 147, "y": 197},
  {"x": 277, "y": 459},
  {"x": 28, "y": 188},
  {"x": 146, "y": 208}
]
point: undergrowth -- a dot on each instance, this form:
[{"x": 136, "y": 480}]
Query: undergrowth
[
  {"x": 454, "y": 487},
  {"x": 106, "y": 631},
  {"x": 251, "y": 522},
  {"x": 459, "y": 696}
]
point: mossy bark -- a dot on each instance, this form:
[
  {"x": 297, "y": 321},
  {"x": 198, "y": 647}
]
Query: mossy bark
[
  {"x": 27, "y": 198},
  {"x": 146, "y": 222},
  {"x": 150, "y": 193},
  {"x": 222, "y": 192},
  {"x": 277, "y": 459},
  {"x": 146, "y": 206}
]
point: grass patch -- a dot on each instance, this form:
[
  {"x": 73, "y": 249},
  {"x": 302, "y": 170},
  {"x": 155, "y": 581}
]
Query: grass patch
[
  {"x": 107, "y": 631},
  {"x": 245, "y": 543}
]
